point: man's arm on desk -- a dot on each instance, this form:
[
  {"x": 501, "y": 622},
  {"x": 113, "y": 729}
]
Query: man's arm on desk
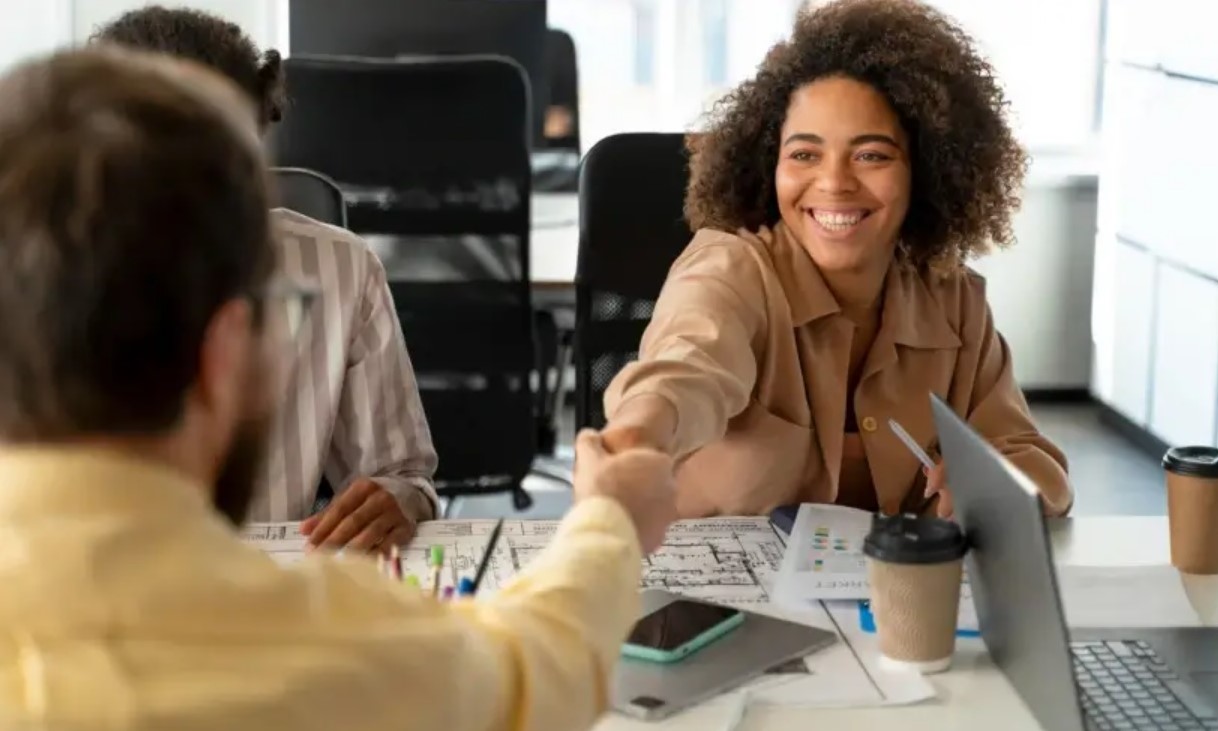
[
  {"x": 553, "y": 636},
  {"x": 540, "y": 654}
]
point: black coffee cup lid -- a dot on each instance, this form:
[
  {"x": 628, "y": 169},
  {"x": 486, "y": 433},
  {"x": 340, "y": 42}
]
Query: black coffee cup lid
[
  {"x": 912, "y": 539},
  {"x": 1196, "y": 461}
]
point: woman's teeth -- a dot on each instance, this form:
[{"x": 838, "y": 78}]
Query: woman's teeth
[{"x": 838, "y": 220}]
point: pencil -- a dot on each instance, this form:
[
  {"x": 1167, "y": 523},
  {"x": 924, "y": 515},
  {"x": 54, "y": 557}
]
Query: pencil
[{"x": 486, "y": 555}]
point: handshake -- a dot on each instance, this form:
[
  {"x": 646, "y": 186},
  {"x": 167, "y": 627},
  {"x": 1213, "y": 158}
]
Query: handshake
[{"x": 639, "y": 478}]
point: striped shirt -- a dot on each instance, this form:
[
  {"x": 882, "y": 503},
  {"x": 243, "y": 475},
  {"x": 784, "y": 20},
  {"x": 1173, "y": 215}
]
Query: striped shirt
[{"x": 351, "y": 407}]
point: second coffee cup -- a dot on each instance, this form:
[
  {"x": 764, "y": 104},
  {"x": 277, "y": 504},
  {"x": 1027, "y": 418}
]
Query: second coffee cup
[
  {"x": 1192, "y": 508},
  {"x": 915, "y": 566}
]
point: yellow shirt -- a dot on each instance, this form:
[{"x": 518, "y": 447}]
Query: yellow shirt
[{"x": 127, "y": 602}]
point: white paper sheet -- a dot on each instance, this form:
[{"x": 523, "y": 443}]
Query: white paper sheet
[
  {"x": 825, "y": 556},
  {"x": 843, "y": 675},
  {"x": 282, "y": 541}
]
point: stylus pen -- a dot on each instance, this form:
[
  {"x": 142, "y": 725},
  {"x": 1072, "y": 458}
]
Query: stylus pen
[
  {"x": 918, "y": 452},
  {"x": 913, "y": 446}
]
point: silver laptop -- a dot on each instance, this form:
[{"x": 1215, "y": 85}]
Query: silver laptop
[{"x": 1075, "y": 679}]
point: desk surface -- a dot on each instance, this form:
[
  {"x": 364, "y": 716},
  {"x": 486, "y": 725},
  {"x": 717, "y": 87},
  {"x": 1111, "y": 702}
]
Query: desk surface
[
  {"x": 973, "y": 686},
  {"x": 553, "y": 252}
]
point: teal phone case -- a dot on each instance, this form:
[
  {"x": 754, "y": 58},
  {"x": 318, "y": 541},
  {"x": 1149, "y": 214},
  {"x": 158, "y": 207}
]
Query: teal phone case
[{"x": 651, "y": 654}]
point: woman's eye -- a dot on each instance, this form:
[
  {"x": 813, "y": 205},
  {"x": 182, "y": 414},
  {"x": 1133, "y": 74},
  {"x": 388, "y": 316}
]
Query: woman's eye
[
  {"x": 801, "y": 156},
  {"x": 872, "y": 157}
]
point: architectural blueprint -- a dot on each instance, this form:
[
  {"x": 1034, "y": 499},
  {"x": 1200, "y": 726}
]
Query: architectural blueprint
[
  {"x": 281, "y": 541},
  {"x": 729, "y": 560}
]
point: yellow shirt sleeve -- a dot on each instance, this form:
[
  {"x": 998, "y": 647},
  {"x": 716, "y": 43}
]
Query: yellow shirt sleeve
[{"x": 539, "y": 654}]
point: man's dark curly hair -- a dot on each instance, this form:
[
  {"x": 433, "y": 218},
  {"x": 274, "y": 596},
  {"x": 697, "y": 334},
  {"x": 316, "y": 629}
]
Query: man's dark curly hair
[
  {"x": 967, "y": 167},
  {"x": 208, "y": 40}
]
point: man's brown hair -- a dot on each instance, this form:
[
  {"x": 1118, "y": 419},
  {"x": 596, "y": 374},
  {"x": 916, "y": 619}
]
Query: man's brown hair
[{"x": 133, "y": 205}]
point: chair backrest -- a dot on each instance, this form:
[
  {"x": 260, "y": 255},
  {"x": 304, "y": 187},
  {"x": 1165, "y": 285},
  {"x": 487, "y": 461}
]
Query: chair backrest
[
  {"x": 311, "y": 193},
  {"x": 564, "y": 84},
  {"x": 419, "y": 145},
  {"x": 631, "y": 229},
  {"x": 434, "y": 157}
]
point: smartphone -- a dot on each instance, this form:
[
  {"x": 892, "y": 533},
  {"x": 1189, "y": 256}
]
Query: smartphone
[{"x": 679, "y": 629}]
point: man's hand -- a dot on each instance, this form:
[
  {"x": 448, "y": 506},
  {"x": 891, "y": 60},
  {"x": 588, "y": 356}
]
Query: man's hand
[
  {"x": 936, "y": 484},
  {"x": 641, "y": 480},
  {"x": 364, "y": 517}
]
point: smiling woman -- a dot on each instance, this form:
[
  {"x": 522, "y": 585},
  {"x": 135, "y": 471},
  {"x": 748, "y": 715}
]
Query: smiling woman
[{"x": 837, "y": 196}]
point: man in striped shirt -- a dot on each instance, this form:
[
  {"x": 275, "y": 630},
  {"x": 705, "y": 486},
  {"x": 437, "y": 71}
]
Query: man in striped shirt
[{"x": 352, "y": 412}]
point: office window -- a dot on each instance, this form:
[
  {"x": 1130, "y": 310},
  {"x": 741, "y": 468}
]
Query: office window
[
  {"x": 714, "y": 41},
  {"x": 30, "y": 29},
  {"x": 644, "y": 42},
  {"x": 256, "y": 17},
  {"x": 1046, "y": 54},
  {"x": 678, "y": 56}
]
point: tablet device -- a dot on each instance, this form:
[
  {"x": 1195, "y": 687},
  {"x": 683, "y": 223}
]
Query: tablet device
[{"x": 654, "y": 690}]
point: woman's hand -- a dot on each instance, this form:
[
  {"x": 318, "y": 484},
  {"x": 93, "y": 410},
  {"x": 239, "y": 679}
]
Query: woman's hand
[
  {"x": 936, "y": 484},
  {"x": 644, "y": 422}
]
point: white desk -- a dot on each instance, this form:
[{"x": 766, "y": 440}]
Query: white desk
[{"x": 973, "y": 689}]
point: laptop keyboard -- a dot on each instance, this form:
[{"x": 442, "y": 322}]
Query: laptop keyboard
[{"x": 1125, "y": 685}]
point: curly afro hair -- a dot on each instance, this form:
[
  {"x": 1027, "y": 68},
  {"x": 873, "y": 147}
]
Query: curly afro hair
[
  {"x": 206, "y": 39},
  {"x": 967, "y": 167}
]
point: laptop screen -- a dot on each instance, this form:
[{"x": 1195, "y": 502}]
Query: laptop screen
[{"x": 1010, "y": 564}]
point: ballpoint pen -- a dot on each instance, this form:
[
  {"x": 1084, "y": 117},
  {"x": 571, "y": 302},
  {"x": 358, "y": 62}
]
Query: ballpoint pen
[{"x": 486, "y": 556}]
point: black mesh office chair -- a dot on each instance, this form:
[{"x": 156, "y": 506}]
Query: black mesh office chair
[
  {"x": 311, "y": 193},
  {"x": 433, "y": 157},
  {"x": 631, "y": 229}
]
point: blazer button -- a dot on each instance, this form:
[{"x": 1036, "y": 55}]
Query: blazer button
[{"x": 868, "y": 424}]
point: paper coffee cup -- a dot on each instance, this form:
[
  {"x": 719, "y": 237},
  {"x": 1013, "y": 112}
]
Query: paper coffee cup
[
  {"x": 1192, "y": 508},
  {"x": 915, "y": 566}
]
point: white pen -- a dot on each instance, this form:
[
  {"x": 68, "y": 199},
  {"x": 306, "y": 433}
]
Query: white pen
[{"x": 914, "y": 447}]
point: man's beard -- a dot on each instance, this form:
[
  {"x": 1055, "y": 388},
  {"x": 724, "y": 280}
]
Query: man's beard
[{"x": 235, "y": 483}]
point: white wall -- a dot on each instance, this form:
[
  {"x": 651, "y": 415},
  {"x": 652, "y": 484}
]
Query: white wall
[
  {"x": 32, "y": 27},
  {"x": 257, "y": 17},
  {"x": 1040, "y": 288},
  {"x": 1155, "y": 307}
]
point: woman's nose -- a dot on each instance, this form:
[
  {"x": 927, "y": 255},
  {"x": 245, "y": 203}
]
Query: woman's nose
[{"x": 836, "y": 176}]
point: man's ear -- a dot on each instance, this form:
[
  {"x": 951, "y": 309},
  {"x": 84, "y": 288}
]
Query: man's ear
[{"x": 224, "y": 355}]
